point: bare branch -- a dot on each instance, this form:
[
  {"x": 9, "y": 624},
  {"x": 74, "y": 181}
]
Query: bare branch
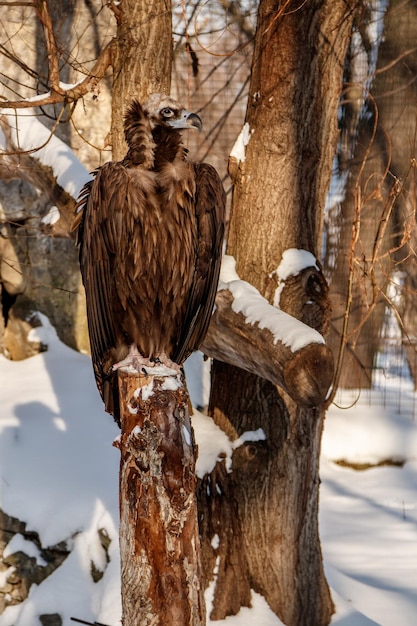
[
  {"x": 42, "y": 10},
  {"x": 60, "y": 95}
]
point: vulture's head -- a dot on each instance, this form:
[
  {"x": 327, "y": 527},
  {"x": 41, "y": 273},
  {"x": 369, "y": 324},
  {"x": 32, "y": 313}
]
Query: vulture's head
[{"x": 165, "y": 111}]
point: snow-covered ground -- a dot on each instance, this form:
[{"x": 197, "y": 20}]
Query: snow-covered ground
[{"x": 59, "y": 473}]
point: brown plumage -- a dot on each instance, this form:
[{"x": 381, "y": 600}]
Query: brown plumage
[{"x": 150, "y": 231}]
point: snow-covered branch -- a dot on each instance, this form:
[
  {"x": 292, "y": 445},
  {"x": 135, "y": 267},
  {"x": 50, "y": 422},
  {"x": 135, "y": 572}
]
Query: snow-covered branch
[
  {"x": 31, "y": 152},
  {"x": 248, "y": 332}
]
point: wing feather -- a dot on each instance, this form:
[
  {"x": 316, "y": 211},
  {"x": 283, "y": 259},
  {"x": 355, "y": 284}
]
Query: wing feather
[
  {"x": 100, "y": 228},
  {"x": 210, "y": 202}
]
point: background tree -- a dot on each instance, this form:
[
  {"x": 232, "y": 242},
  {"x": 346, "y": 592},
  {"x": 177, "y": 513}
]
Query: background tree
[
  {"x": 370, "y": 237},
  {"x": 44, "y": 53}
]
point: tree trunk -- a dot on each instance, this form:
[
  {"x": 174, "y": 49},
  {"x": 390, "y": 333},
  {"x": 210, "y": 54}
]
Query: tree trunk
[
  {"x": 396, "y": 97},
  {"x": 380, "y": 204},
  {"x": 142, "y": 63},
  {"x": 159, "y": 542},
  {"x": 357, "y": 279},
  {"x": 264, "y": 512}
]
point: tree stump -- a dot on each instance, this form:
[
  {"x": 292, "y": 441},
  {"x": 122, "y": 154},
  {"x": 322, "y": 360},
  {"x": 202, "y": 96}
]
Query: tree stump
[{"x": 159, "y": 541}]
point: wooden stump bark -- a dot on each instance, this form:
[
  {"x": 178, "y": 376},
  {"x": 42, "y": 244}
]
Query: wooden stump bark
[{"x": 159, "y": 541}]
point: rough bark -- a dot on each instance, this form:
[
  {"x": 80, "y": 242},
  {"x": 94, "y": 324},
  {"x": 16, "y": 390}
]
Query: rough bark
[
  {"x": 278, "y": 202},
  {"x": 263, "y": 512},
  {"x": 142, "y": 62},
  {"x": 159, "y": 543},
  {"x": 293, "y": 99}
]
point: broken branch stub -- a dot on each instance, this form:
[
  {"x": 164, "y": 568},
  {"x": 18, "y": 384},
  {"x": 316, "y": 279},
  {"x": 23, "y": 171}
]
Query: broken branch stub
[
  {"x": 305, "y": 374},
  {"x": 159, "y": 541}
]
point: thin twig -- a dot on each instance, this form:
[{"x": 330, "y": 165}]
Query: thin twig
[{"x": 81, "y": 621}]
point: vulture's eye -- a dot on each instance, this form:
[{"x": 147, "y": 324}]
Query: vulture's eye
[{"x": 167, "y": 113}]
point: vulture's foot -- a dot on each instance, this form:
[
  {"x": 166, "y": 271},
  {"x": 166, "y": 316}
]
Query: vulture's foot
[
  {"x": 155, "y": 366},
  {"x": 163, "y": 361}
]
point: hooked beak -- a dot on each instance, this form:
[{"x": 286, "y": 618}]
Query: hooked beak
[{"x": 187, "y": 120}]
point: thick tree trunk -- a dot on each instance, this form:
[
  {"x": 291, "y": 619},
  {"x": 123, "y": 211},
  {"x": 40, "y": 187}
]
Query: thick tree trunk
[
  {"x": 263, "y": 512},
  {"x": 294, "y": 94},
  {"x": 159, "y": 542},
  {"x": 142, "y": 63},
  {"x": 270, "y": 497}
]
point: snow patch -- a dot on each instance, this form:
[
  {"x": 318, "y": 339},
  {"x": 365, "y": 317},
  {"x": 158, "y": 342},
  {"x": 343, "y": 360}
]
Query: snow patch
[
  {"x": 239, "y": 148},
  {"x": 249, "y": 435},
  {"x": 284, "y": 328},
  {"x": 45, "y": 333},
  {"x": 228, "y": 271},
  {"x": 365, "y": 434},
  {"x": 51, "y": 217},
  {"x": 293, "y": 262},
  {"x": 30, "y": 135},
  {"x": 213, "y": 444},
  {"x": 171, "y": 383},
  {"x": 19, "y": 543}
]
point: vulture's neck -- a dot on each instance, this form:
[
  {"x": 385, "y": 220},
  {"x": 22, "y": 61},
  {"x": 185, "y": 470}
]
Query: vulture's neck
[
  {"x": 168, "y": 142},
  {"x": 152, "y": 149},
  {"x": 138, "y": 135}
]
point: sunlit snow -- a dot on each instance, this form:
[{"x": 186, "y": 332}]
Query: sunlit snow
[
  {"x": 29, "y": 134},
  {"x": 239, "y": 148},
  {"x": 51, "y": 217},
  {"x": 256, "y": 310},
  {"x": 19, "y": 543},
  {"x": 63, "y": 482},
  {"x": 293, "y": 262}
]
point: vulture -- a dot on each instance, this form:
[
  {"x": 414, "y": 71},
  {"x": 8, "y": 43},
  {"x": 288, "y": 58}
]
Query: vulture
[{"x": 150, "y": 232}]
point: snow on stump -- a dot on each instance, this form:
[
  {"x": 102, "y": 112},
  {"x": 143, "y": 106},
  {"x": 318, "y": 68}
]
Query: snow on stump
[{"x": 159, "y": 541}]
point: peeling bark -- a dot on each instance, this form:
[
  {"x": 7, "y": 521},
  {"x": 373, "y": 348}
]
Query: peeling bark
[{"x": 159, "y": 543}]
